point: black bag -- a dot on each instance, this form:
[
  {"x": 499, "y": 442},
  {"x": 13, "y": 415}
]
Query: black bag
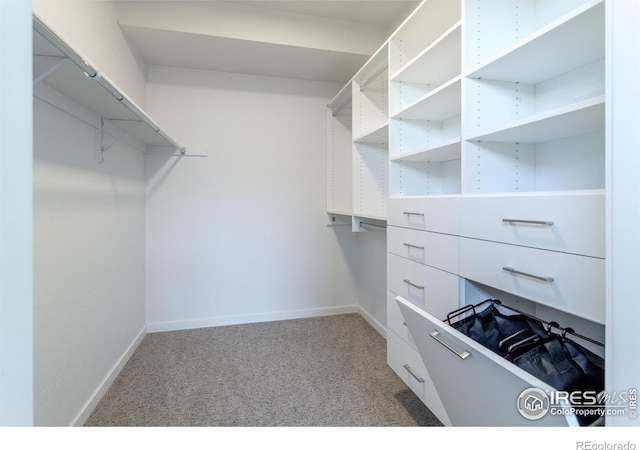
[
  {"x": 495, "y": 330},
  {"x": 525, "y": 341}
]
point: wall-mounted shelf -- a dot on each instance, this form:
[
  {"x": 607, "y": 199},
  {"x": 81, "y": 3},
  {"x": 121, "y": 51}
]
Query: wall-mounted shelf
[{"x": 62, "y": 68}]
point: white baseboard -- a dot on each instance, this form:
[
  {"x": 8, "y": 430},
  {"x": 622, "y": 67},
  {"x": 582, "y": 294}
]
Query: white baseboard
[
  {"x": 248, "y": 318},
  {"x": 102, "y": 388},
  {"x": 373, "y": 322}
]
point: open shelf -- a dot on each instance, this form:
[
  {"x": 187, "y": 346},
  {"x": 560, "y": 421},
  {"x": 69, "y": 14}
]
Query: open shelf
[
  {"x": 446, "y": 151},
  {"x": 573, "y": 40},
  {"x": 576, "y": 119},
  {"x": 423, "y": 27},
  {"x": 379, "y": 135},
  {"x": 437, "y": 63},
  {"x": 62, "y": 68},
  {"x": 439, "y": 104}
]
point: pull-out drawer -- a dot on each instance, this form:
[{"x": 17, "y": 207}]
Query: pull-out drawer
[
  {"x": 406, "y": 362},
  {"x": 571, "y": 283},
  {"x": 395, "y": 321},
  {"x": 434, "y": 249},
  {"x": 572, "y": 223},
  {"x": 439, "y": 214},
  {"x": 476, "y": 386},
  {"x": 432, "y": 289}
]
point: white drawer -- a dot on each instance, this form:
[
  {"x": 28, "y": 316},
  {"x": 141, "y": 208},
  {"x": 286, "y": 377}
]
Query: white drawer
[
  {"x": 433, "y": 249},
  {"x": 568, "y": 223},
  {"x": 571, "y": 283},
  {"x": 432, "y": 289},
  {"x": 439, "y": 214},
  {"x": 406, "y": 362},
  {"x": 476, "y": 386}
]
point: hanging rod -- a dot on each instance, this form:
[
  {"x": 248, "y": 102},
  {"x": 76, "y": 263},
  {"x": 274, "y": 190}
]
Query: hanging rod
[
  {"x": 371, "y": 77},
  {"x": 334, "y": 112},
  {"x": 550, "y": 325},
  {"x": 94, "y": 73},
  {"x": 372, "y": 225}
]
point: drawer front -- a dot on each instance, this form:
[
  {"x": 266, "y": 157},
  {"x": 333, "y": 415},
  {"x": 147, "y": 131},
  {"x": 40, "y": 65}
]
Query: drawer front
[
  {"x": 431, "y": 289},
  {"x": 571, "y": 283},
  {"x": 395, "y": 321},
  {"x": 434, "y": 249},
  {"x": 439, "y": 214},
  {"x": 567, "y": 223},
  {"x": 407, "y": 364},
  {"x": 476, "y": 386}
]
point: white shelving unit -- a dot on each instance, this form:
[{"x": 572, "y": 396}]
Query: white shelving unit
[
  {"x": 339, "y": 142},
  {"x": 370, "y": 142},
  {"x": 496, "y": 162},
  {"x": 357, "y": 148},
  {"x": 62, "y": 68},
  {"x": 425, "y": 98}
]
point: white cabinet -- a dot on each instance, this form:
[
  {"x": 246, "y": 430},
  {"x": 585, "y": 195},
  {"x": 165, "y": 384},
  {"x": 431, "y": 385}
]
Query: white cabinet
[
  {"x": 493, "y": 125},
  {"x": 496, "y": 161}
]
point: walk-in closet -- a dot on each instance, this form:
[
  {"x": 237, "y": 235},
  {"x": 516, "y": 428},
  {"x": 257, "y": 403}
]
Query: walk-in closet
[{"x": 444, "y": 189}]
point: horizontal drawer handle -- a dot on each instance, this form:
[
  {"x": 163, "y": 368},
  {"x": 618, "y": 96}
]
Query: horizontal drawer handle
[
  {"x": 546, "y": 223},
  {"x": 462, "y": 355},
  {"x": 413, "y": 246},
  {"x": 418, "y": 379},
  {"x": 530, "y": 275},
  {"x": 409, "y": 213},
  {"x": 412, "y": 284}
]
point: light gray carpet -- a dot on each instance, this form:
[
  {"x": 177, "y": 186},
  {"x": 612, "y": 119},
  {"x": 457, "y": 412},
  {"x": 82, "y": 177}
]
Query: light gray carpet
[{"x": 325, "y": 371}]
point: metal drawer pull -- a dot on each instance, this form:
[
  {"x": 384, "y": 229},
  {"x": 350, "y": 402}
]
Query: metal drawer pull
[
  {"x": 530, "y": 275},
  {"x": 413, "y": 246},
  {"x": 409, "y": 213},
  {"x": 408, "y": 367},
  {"x": 462, "y": 355},
  {"x": 547, "y": 223},
  {"x": 412, "y": 284}
]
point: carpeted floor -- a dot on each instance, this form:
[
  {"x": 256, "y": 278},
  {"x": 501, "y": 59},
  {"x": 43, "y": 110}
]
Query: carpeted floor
[{"x": 325, "y": 371}]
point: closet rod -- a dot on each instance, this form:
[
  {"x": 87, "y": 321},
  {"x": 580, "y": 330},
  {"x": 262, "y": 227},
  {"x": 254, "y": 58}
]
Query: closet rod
[
  {"x": 335, "y": 111},
  {"x": 372, "y": 225},
  {"x": 494, "y": 302},
  {"x": 371, "y": 77},
  {"x": 47, "y": 33}
]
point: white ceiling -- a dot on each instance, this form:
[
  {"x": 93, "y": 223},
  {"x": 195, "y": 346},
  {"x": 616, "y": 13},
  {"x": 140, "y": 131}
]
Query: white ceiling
[
  {"x": 386, "y": 14},
  {"x": 326, "y": 40}
]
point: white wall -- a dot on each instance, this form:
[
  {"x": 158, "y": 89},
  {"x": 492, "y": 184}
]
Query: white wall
[
  {"x": 89, "y": 260},
  {"x": 91, "y": 28},
  {"x": 240, "y": 236},
  {"x": 372, "y": 278},
  {"x": 16, "y": 292}
]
